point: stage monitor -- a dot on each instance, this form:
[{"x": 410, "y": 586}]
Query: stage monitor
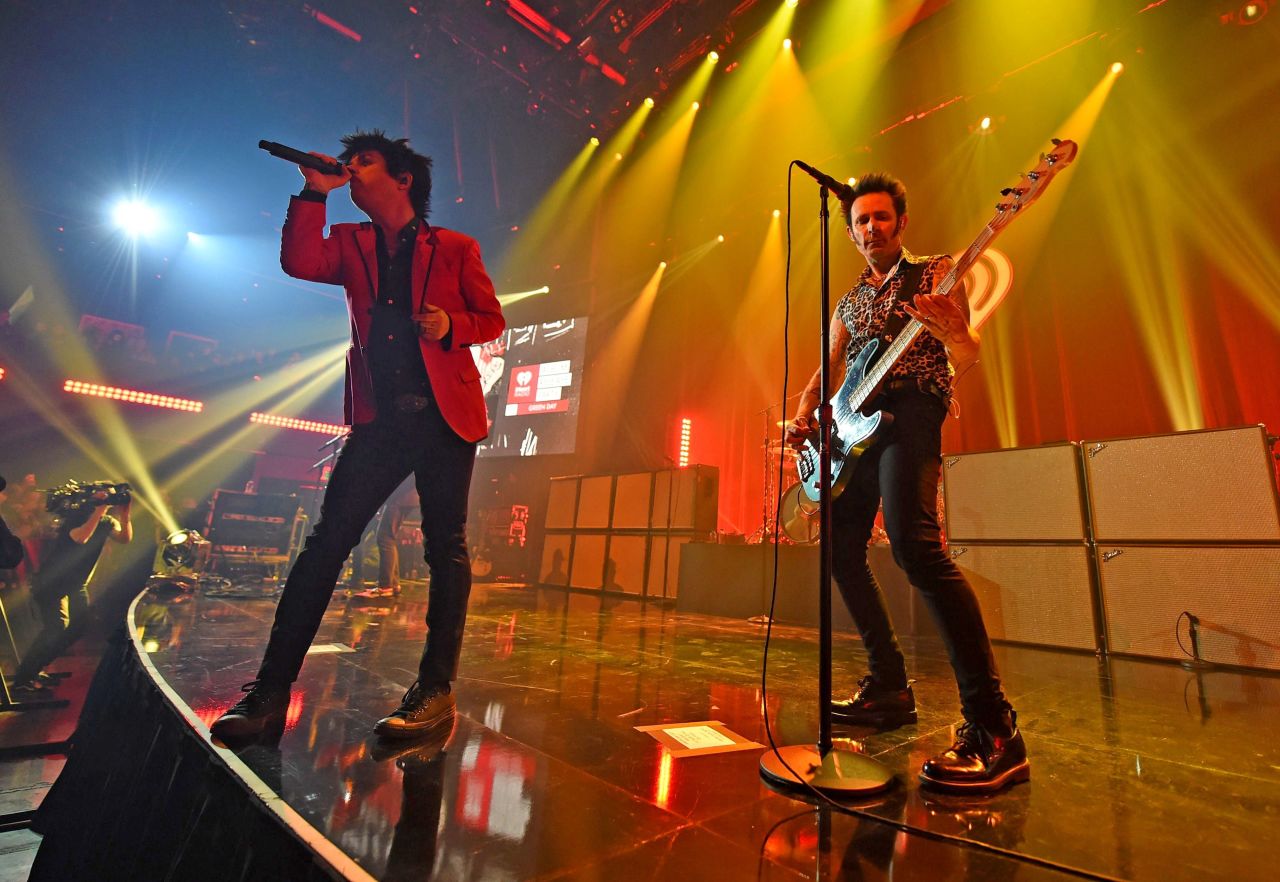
[{"x": 532, "y": 380}]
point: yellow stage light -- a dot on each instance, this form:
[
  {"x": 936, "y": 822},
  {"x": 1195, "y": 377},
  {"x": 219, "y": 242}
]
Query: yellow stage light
[
  {"x": 986, "y": 123},
  {"x": 648, "y": 102},
  {"x": 713, "y": 56},
  {"x": 695, "y": 105},
  {"x": 786, "y": 44},
  {"x": 617, "y": 156},
  {"x": 1117, "y": 67},
  {"x": 595, "y": 142},
  {"x": 853, "y": 182},
  {"x": 777, "y": 212},
  {"x": 720, "y": 238},
  {"x": 792, "y": 4}
]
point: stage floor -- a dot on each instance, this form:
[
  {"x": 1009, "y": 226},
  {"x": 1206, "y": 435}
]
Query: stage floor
[{"x": 1139, "y": 770}]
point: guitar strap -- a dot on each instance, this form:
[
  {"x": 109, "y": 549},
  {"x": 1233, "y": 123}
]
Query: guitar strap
[{"x": 912, "y": 274}]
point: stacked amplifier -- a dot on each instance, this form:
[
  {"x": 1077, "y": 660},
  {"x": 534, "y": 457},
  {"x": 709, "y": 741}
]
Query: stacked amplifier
[
  {"x": 254, "y": 527},
  {"x": 623, "y": 533},
  {"x": 1164, "y": 546}
]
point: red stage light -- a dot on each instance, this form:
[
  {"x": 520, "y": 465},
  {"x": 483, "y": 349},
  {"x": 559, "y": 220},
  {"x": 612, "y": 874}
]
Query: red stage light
[
  {"x": 333, "y": 23},
  {"x": 283, "y": 422},
  {"x": 686, "y": 441},
  {"x": 132, "y": 396},
  {"x": 1, "y": 373}
]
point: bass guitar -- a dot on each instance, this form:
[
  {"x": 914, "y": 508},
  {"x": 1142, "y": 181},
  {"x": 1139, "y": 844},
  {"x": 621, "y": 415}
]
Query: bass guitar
[{"x": 854, "y": 429}]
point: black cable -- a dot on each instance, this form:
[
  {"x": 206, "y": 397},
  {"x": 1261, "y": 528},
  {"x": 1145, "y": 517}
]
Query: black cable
[{"x": 1178, "y": 636}]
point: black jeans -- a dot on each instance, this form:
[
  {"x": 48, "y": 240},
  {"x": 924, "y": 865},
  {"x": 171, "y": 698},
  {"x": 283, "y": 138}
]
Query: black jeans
[
  {"x": 902, "y": 468},
  {"x": 64, "y": 618},
  {"x": 376, "y": 458}
]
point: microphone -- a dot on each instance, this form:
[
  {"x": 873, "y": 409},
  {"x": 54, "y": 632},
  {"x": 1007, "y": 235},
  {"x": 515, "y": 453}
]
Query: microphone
[
  {"x": 306, "y": 160},
  {"x": 839, "y": 188}
]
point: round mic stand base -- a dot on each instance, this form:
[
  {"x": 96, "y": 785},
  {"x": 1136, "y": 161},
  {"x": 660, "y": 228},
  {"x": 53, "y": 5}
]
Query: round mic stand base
[{"x": 841, "y": 773}]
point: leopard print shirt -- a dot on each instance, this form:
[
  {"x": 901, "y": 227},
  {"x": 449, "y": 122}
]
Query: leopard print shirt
[{"x": 865, "y": 310}]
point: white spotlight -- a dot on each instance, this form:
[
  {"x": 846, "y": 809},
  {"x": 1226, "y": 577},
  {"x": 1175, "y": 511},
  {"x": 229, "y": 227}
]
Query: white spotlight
[{"x": 136, "y": 218}]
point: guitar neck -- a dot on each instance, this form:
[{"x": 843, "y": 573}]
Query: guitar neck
[{"x": 875, "y": 376}]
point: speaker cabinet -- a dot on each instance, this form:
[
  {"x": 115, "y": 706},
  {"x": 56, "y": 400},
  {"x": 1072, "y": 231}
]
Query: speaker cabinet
[
  {"x": 624, "y": 565},
  {"x": 562, "y": 503},
  {"x": 694, "y": 503},
  {"x": 1028, "y": 494},
  {"x": 1234, "y": 593},
  {"x": 664, "y": 565},
  {"x": 255, "y": 525},
  {"x": 1211, "y": 486},
  {"x": 1040, "y": 594},
  {"x": 631, "y": 502},
  {"x": 586, "y": 567},
  {"x": 595, "y": 499}
]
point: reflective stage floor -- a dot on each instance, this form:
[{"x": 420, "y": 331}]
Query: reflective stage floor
[{"x": 1139, "y": 770}]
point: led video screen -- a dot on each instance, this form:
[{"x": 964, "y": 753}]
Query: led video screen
[{"x": 532, "y": 380}]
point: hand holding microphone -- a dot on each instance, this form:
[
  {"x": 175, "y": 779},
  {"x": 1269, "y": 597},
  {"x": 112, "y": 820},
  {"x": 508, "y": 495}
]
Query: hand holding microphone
[{"x": 322, "y": 173}]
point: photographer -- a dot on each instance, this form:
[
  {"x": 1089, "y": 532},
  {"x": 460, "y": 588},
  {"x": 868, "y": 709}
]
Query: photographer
[
  {"x": 10, "y": 545},
  {"x": 90, "y": 515}
]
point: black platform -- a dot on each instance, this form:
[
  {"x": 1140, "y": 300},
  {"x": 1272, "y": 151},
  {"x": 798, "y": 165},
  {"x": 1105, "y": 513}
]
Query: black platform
[{"x": 1140, "y": 770}]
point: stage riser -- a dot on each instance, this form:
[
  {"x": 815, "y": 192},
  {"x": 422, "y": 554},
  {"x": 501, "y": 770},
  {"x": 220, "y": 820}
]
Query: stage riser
[
  {"x": 735, "y": 581},
  {"x": 1235, "y": 593}
]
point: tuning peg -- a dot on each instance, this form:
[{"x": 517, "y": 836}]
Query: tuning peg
[
  {"x": 1006, "y": 191},
  {"x": 1057, "y": 142},
  {"x": 1034, "y": 176}
]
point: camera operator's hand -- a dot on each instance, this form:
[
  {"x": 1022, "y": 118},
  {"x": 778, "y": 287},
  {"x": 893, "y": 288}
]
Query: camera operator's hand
[
  {"x": 124, "y": 534},
  {"x": 81, "y": 534}
]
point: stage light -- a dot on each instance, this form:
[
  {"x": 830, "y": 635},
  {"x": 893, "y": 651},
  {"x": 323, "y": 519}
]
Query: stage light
[
  {"x": 777, "y": 212},
  {"x": 786, "y": 44},
  {"x": 132, "y": 396},
  {"x": 648, "y": 102},
  {"x": 281, "y": 422},
  {"x": 181, "y": 549},
  {"x": 1117, "y": 67},
  {"x": 686, "y": 441},
  {"x": 662, "y": 264},
  {"x": 194, "y": 238},
  {"x": 695, "y": 105},
  {"x": 792, "y": 4},
  {"x": 135, "y": 217},
  {"x": 1, "y": 373},
  {"x": 594, "y": 142},
  {"x": 853, "y": 182},
  {"x": 713, "y": 56},
  {"x": 617, "y": 157},
  {"x": 985, "y": 124}
]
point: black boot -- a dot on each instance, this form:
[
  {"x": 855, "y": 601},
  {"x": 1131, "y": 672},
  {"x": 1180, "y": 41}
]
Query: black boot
[
  {"x": 261, "y": 709},
  {"x": 873, "y": 705},
  {"x": 423, "y": 709},
  {"x": 982, "y": 760}
]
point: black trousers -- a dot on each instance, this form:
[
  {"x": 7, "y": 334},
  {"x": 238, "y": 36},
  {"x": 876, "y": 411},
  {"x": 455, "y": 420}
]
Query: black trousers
[
  {"x": 64, "y": 618},
  {"x": 376, "y": 458},
  {"x": 902, "y": 470}
]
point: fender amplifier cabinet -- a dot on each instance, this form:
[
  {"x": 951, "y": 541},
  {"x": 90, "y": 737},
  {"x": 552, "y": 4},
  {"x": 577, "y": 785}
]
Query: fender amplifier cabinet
[
  {"x": 1212, "y": 486},
  {"x": 1031, "y": 494},
  {"x": 1153, "y": 595},
  {"x": 1038, "y": 594}
]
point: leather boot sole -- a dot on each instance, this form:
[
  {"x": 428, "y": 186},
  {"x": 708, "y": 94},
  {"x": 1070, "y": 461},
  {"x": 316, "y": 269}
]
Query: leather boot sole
[
  {"x": 395, "y": 727},
  {"x": 1014, "y": 775}
]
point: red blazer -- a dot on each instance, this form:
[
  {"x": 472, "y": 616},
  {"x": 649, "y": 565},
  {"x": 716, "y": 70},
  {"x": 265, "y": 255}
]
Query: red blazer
[{"x": 458, "y": 284}]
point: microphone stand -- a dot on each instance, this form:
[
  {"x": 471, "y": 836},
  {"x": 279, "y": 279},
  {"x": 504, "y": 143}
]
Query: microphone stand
[{"x": 826, "y": 768}]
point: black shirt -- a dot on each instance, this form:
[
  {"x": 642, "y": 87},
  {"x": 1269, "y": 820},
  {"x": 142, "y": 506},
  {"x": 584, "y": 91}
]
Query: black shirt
[
  {"x": 67, "y": 564},
  {"x": 395, "y": 359}
]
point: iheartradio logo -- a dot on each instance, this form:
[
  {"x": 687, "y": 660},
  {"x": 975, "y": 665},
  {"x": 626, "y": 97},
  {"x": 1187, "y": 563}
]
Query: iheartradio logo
[{"x": 523, "y": 378}]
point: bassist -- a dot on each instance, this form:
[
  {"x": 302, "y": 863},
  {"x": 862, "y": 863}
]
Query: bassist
[{"x": 902, "y": 470}]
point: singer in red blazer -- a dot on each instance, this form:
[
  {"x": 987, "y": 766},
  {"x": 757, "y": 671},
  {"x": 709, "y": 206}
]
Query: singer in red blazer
[
  {"x": 407, "y": 417},
  {"x": 458, "y": 284}
]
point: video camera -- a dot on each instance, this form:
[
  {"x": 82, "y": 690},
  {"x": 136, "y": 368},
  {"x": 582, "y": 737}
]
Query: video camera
[{"x": 73, "y": 495}]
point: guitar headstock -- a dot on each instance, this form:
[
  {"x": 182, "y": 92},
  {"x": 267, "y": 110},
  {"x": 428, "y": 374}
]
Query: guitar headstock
[{"x": 1034, "y": 182}]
